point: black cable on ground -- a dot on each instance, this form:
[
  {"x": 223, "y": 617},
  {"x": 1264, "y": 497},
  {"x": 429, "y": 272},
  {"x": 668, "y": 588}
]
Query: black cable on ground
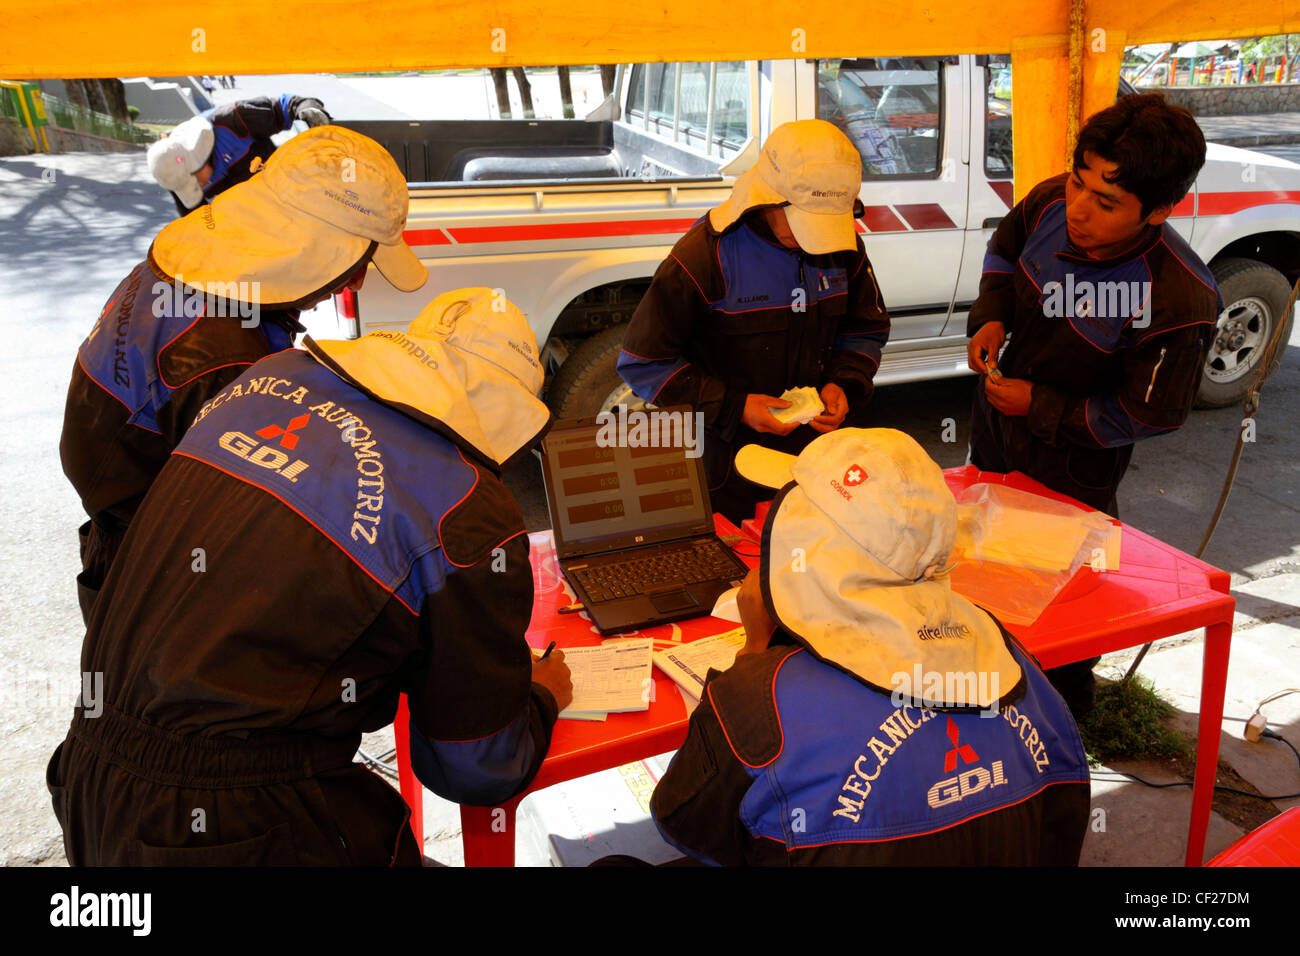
[
  {"x": 1184, "y": 783},
  {"x": 1269, "y": 363}
]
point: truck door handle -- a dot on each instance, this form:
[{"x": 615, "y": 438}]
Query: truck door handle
[{"x": 992, "y": 222}]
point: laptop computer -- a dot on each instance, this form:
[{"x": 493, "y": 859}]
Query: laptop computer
[{"x": 633, "y": 526}]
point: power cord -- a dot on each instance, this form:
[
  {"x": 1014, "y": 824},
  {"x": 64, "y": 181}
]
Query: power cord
[
  {"x": 1256, "y": 724},
  {"x": 732, "y": 540},
  {"x": 378, "y": 763},
  {"x": 1250, "y": 405},
  {"x": 1184, "y": 783}
]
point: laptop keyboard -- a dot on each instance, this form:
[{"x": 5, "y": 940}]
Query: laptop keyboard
[{"x": 705, "y": 561}]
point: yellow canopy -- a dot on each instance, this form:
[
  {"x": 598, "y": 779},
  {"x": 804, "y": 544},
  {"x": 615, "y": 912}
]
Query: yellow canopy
[{"x": 1065, "y": 56}]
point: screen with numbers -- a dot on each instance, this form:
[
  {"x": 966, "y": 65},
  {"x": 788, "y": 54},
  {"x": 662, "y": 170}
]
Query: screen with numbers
[{"x": 602, "y": 487}]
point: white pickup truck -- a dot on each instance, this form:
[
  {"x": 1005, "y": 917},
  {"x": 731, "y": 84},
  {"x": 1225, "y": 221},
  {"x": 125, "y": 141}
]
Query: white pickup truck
[{"x": 572, "y": 217}]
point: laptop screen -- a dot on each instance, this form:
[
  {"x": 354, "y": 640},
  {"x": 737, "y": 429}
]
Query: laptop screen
[{"x": 606, "y": 491}]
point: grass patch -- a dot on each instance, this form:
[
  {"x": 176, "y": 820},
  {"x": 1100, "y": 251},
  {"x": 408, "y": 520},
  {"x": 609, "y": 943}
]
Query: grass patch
[{"x": 1131, "y": 721}]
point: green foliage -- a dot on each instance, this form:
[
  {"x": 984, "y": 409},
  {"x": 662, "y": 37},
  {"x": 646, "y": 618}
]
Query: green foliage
[
  {"x": 1130, "y": 721},
  {"x": 133, "y": 112},
  {"x": 1269, "y": 46}
]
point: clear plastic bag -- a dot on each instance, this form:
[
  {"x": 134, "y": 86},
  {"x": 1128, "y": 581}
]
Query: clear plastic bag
[{"x": 1015, "y": 551}]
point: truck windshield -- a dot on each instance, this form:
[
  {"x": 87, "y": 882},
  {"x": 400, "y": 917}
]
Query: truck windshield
[{"x": 889, "y": 107}]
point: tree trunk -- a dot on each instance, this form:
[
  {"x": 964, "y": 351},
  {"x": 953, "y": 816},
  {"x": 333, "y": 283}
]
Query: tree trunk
[
  {"x": 607, "y": 77},
  {"x": 75, "y": 90},
  {"x": 566, "y": 91},
  {"x": 95, "y": 96},
  {"x": 525, "y": 91},
  {"x": 114, "y": 93},
  {"x": 502, "y": 84}
]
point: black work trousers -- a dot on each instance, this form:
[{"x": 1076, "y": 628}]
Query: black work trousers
[{"x": 127, "y": 793}]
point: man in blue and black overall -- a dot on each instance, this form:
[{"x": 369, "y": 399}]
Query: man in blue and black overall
[
  {"x": 873, "y": 717},
  {"x": 207, "y": 154},
  {"x": 1109, "y": 314},
  {"x": 332, "y": 531},
  {"x": 179, "y": 328},
  {"x": 772, "y": 290}
]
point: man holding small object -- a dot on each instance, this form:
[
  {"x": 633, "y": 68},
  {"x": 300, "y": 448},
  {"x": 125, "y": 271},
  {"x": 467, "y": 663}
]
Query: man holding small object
[
  {"x": 772, "y": 290},
  {"x": 1108, "y": 311}
]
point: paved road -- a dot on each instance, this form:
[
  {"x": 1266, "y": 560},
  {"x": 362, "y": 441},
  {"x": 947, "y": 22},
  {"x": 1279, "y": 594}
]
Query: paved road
[
  {"x": 68, "y": 239},
  {"x": 469, "y": 95}
]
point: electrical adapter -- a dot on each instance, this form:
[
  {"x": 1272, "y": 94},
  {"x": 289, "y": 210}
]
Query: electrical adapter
[{"x": 1255, "y": 727}]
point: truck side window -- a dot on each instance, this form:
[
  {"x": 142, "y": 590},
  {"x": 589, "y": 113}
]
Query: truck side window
[
  {"x": 730, "y": 104},
  {"x": 661, "y": 91},
  {"x": 890, "y": 107},
  {"x": 997, "y": 122}
]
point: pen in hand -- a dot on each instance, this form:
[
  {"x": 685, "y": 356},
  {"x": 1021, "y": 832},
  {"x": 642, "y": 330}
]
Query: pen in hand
[{"x": 547, "y": 653}]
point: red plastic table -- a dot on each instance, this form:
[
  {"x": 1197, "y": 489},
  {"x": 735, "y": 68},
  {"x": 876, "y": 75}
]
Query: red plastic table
[{"x": 1157, "y": 591}]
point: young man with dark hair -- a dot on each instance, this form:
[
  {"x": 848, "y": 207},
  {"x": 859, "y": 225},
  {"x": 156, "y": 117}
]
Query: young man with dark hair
[{"x": 1109, "y": 312}]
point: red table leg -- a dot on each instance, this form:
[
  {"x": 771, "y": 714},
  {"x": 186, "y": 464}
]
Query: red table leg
[
  {"x": 1214, "y": 682},
  {"x": 488, "y": 833},
  {"x": 412, "y": 790}
]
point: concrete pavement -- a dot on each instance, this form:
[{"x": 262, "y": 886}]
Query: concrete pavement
[{"x": 1248, "y": 132}]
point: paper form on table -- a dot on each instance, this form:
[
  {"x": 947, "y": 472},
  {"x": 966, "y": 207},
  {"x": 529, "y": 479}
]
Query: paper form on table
[
  {"x": 612, "y": 678},
  {"x": 689, "y": 664}
]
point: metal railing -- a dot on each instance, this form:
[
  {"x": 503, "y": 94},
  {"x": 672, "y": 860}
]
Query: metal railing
[{"x": 70, "y": 116}]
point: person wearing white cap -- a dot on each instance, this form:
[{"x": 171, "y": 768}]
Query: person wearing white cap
[
  {"x": 204, "y": 156},
  {"x": 771, "y": 290},
  {"x": 358, "y": 543},
  {"x": 218, "y": 291},
  {"x": 873, "y": 717}
]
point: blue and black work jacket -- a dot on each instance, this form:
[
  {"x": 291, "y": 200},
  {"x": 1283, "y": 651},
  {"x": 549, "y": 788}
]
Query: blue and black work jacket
[
  {"x": 157, "y": 352},
  {"x": 1114, "y": 348},
  {"x": 309, "y": 552},
  {"x": 242, "y": 132},
  {"x": 790, "y": 761},
  {"x": 734, "y": 313}
]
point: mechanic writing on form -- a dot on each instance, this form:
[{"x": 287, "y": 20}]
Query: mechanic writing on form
[{"x": 357, "y": 543}]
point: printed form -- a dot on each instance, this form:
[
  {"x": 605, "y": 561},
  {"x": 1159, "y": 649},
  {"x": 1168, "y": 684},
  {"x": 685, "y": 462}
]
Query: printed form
[{"x": 612, "y": 678}]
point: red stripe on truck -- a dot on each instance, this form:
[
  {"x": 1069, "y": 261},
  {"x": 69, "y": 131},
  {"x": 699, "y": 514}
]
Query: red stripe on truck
[
  {"x": 571, "y": 230},
  {"x": 925, "y": 215},
  {"x": 881, "y": 219},
  {"x": 1224, "y": 204},
  {"x": 425, "y": 237}
]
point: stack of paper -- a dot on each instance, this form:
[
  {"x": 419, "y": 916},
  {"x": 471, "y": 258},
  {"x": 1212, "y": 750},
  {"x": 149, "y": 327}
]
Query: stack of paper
[
  {"x": 613, "y": 678},
  {"x": 805, "y": 405}
]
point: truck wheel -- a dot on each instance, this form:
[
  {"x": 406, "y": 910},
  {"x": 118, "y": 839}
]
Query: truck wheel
[
  {"x": 588, "y": 382},
  {"x": 1254, "y": 296}
]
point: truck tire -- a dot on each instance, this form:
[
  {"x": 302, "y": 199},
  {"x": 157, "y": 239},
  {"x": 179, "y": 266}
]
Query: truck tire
[
  {"x": 588, "y": 382},
  {"x": 1254, "y": 297}
]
